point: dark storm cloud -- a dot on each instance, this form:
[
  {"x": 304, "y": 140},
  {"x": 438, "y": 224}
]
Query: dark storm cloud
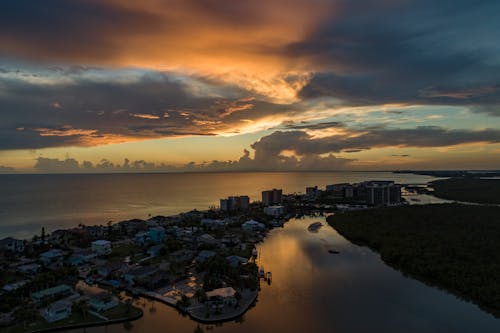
[
  {"x": 88, "y": 112},
  {"x": 65, "y": 29},
  {"x": 313, "y": 126},
  {"x": 426, "y": 52},
  {"x": 426, "y": 136}
]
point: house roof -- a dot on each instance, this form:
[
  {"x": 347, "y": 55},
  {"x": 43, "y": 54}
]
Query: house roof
[
  {"x": 101, "y": 242},
  {"x": 222, "y": 292}
]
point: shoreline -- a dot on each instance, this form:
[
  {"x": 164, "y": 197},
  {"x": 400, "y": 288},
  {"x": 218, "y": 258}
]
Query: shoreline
[{"x": 249, "y": 303}]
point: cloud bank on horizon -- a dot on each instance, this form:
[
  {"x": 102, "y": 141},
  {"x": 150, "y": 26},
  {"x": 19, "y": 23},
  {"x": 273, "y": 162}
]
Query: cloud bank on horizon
[{"x": 311, "y": 85}]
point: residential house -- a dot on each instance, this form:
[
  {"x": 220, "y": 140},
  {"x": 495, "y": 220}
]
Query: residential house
[
  {"x": 204, "y": 255},
  {"x": 212, "y": 224},
  {"x": 207, "y": 239},
  {"x": 59, "y": 291},
  {"x": 101, "y": 247},
  {"x": 12, "y": 245},
  {"x": 29, "y": 268},
  {"x": 253, "y": 225},
  {"x": 222, "y": 296},
  {"x": 155, "y": 250},
  {"x": 235, "y": 261},
  {"x": 141, "y": 238},
  {"x": 181, "y": 255},
  {"x": 157, "y": 234},
  {"x": 56, "y": 311},
  {"x": 140, "y": 273},
  {"x": 103, "y": 301},
  {"x": 274, "y": 210},
  {"x": 53, "y": 258}
]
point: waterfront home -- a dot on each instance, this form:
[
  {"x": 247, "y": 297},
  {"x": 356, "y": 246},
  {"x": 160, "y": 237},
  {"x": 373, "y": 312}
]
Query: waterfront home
[
  {"x": 101, "y": 247},
  {"x": 59, "y": 291},
  {"x": 52, "y": 258},
  {"x": 235, "y": 261},
  {"x": 157, "y": 234},
  {"x": 274, "y": 210},
  {"x": 253, "y": 225},
  {"x": 204, "y": 255},
  {"x": 56, "y": 311},
  {"x": 29, "y": 268},
  {"x": 140, "y": 273},
  {"x": 103, "y": 301},
  {"x": 155, "y": 251},
  {"x": 12, "y": 245},
  {"x": 222, "y": 296}
]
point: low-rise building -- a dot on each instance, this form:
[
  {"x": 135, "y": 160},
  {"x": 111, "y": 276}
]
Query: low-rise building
[
  {"x": 235, "y": 261},
  {"x": 157, "y": 234},
  {"x": 274, "y": 210},
  {"x": 29, "y": 268},
  {"x": 53, "y": 258},
  {"x": 103, "y": 301},
  {"x": 212, "y": 224},
  {"x": 101, "y": 247},
  {"x": 12, "y": 245},
  {"x": 207, "y": 239},
  {"x": 56, "y": 311},
  {"x": 138, "y": 274},
  {"x": 205, "y": 255},
  {"x": 59, "y": 291},
  {"x": 141, "y": 238},
  {"x": 222, "y": 296},
  {"x": 155, "y": 250},
  {"x": 253, "y": 225}
]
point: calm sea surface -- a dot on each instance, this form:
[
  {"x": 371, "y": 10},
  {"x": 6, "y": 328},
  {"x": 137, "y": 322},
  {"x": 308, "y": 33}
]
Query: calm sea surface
[
  {"x": 311, "y": 291},
  {"x": 28, "y": 202}
]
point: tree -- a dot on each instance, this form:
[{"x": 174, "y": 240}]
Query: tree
[{"x": 43, "y": 236}]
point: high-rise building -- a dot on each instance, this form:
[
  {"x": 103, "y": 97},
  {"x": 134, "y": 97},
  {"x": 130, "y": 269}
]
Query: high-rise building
[
  {"x": 382, "y": 192},
  {"x": 272, "y": 197},
  {"x": 241, "y": 202}
]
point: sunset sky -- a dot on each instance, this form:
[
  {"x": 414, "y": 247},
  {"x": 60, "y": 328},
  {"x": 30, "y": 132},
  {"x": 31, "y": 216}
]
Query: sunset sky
[{"x": 213, "y": 85}]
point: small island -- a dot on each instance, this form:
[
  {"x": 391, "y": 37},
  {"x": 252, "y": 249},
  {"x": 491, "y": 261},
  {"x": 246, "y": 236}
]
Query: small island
[{"x": 452, "y": 246}]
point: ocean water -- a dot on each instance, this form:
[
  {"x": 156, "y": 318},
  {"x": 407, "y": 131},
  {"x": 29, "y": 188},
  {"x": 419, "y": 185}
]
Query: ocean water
[{"x": 30, "y": 202}]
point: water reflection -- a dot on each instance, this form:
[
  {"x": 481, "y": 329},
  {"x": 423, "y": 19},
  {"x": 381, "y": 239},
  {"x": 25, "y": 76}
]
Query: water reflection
[{"x": 315, "y": 291}]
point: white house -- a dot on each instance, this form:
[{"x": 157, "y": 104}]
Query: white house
[
  {"x": 253, "y": 225},
  {"x": 101, "y": 247},
  {"x": 274, "y": 210},
  {"x": 56, "y": 311},
  {"x": 223, "y": 295}
]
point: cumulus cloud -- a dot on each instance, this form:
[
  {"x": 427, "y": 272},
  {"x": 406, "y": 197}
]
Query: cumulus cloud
[{"x": 294, "y": 151}]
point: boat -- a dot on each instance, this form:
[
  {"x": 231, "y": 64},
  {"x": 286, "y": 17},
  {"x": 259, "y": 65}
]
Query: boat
[
  {"x": 333, "y": 251},
  {"x": 314, "y": 227},
  {"x": 262, "y": 272}
]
